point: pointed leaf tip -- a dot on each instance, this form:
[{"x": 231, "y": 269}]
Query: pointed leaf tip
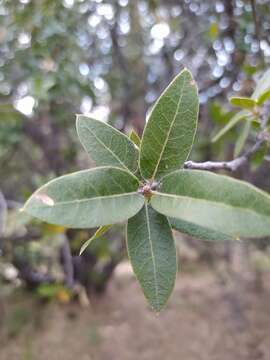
[
  {"x": 100, "y": 231},
  {"x": 199, "y": 232},
  {"x": 106, "y": 145},
  {"x": 169, "y": 133}
]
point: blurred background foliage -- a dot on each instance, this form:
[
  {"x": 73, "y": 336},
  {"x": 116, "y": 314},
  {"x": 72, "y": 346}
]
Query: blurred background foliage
[{"x": 111, "y": 59}]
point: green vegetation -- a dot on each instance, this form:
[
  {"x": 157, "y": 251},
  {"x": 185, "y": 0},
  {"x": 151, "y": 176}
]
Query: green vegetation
[{"x": 148, "y": 190}]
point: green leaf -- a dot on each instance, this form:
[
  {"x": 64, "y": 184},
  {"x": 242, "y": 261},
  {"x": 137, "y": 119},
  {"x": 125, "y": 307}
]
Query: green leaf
[
  {"x": 214, "y": 201},
  {"x": 234, "y": 120},
  {"x": 152, "y": 253},
  {"x": 198, "y": 232},
  {"x": 169, "y": 133},
  {"x": 260, "y": 95},
  {"x": 264, "y": 97},
  {"x": 241, "y": 140},
  {"x": 134, "y": 137},
  {"x": 100, "y": 231},
  {"x": 106, "y": 145},
  {"x": 88, "y": 198},
  {"x": 263, "y": 85},
  {"x": 243, "y": 102}
]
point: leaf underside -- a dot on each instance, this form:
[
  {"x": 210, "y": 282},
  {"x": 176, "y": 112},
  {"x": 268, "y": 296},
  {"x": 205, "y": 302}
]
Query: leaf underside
[
  {"x": 106, "y": 145},
  {"x": 169, "y": 133},
  {"x": 152, "y": 254},
  {"x": 88, "y": 198},
  {"x": 214, "y": 201},
  {"x": 197, "y": 203},
  {"x": 198, "y": 232}
]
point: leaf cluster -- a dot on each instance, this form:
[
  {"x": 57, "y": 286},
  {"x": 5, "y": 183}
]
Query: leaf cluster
[
  {"x": 143, "y": 181},
  {"x": 251, "y": 112}
]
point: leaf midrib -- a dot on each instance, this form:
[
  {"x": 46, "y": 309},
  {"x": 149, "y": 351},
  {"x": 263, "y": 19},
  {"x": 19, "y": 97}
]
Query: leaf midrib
[
  {"x": 212, "y": 202},
  {"x": 170, "y": 128},
  {"x": 153, "y": 257},
  {"x": 90, "y": 199},
  {"x": 106, "y": 147}
]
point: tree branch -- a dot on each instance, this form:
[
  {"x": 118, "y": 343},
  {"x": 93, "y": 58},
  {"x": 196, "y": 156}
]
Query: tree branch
[{"x": 232, "y": 165}]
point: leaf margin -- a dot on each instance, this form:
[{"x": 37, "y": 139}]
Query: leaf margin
[
  {"x": 79, "y": 126},
  {"x": 24, "y": 208},
  {"x": 156, "y": 104},
  {"x": 135, "y": 272}
]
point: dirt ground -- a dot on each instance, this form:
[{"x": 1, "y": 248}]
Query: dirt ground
[{"x": 204, "y": 320}]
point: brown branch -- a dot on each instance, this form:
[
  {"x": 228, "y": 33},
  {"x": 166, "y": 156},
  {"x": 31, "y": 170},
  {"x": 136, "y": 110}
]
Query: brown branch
[{"x": 232, "y": 165}]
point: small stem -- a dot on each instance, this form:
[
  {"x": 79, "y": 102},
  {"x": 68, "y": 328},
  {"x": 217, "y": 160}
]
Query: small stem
[{"x": 232, "y": 165}]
